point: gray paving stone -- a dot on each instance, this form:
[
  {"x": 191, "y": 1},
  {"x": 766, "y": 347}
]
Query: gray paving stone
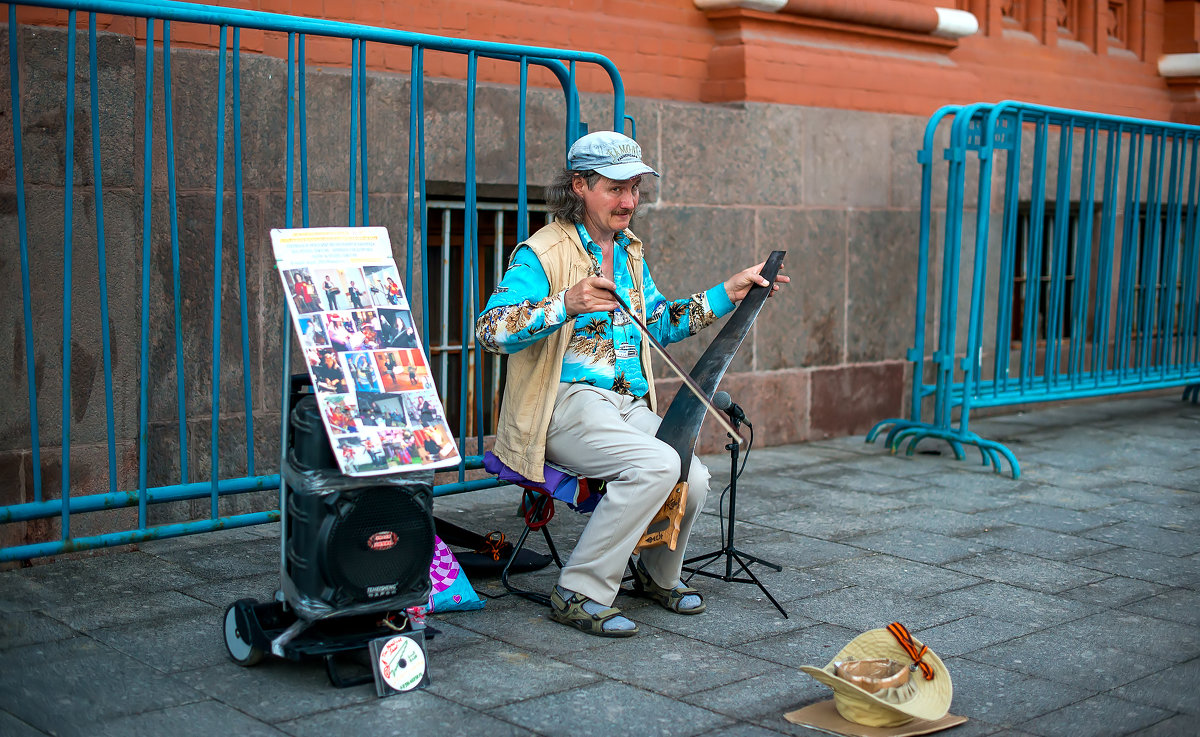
[
  {"x": 859, "y": 502},
  {"x": 201, "y": 719},
  {"x": 1171, "y": 517},
  {"x": 260, "y": 587},
  {"x": 490, "y": 674},
  {"x": 1183, "y": 479},
  {"x": 971, "y": 476},
  {"x": 1148, "y": 537},
  {"x": 670, "y": 664},
  {"x": 969, "y": 634},
  {"x": 858, "y": 479},
  {"x": 1012, "y": 604},
  {"x": 861, "y": 608},
  {"x": 726, "y": 622},
  {"x": 609, "y": 708},
  {"x": 1026, "y": 571},
  {"x": 956, "y": 497},
  {"x": 1170, "y": 642},
  {"x": 1039, "y": 457},
  {"x": 765, "y": 495},
  {"x": 1113, "y": 592},
  {"x": 1174, "y": 688},
  {"x": 742, "y": 730},
  {"x": 114, "y": 611},
  {"x": 815, "y": 645},
  {"x": 1060, "y": 654},
  {"x": 786, "y": 585},
  {"x": 941, "y": 521},
  {"x": 22, "y": 594},
  {"x": 1101, "y": 716},
  {"x": 529, "y": 627},
  {"x": 276, "y": 690},
  {"x": 401, "y": 714},
  {"x": 891, "y": 572},
  {"x": 1053, "y": 518},
  {"x": 231, "y": 560},
  {"x": 1053, "y": 496},
  {"x": 1042, "y": 543},
  {"x": 450, "y": 635},
  {"x": 10, "y": 726},
  {"x": 1003, "y": 697},
  {"x": 1145, "y": 565},
  {"x": 126, "y": 574},
  {"x": 1179, "y": 605},
  {"x": 1040, "y": 469},
  {"x": 816, "y": 521},
  {"x": 1180, "y": 725},
  {"x": 918, "y": 545},
  {"x": 770, "y": 694},
  {"x": 26, "y": 628},
  {"x": 793, "y": 549},
  {"x": 171, "y": 644},
  {"x": 1136, "y": 491},
  {"x": 63, "y": 687}
]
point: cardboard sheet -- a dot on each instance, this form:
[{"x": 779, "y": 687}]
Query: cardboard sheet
[{"x": 823, "y": 716}]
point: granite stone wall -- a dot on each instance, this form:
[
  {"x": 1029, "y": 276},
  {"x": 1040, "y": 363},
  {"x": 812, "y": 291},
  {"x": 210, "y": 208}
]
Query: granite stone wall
[{"x": 839, "y": 190}]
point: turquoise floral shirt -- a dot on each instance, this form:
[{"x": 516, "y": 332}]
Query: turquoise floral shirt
[{"x": 605, "y": 347}]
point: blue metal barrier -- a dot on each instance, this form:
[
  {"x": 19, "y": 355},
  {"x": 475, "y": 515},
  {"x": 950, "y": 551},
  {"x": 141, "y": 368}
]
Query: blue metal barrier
[
  {"x": 128, "y": 411},
  {"x": 1089, "y": 289}
]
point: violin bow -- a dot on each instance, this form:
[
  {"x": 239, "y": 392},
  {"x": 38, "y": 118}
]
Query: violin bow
[{"x": 688, "y": 381}]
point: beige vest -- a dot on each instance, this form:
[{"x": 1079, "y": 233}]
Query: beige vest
[{"x": 534, "y": 372}]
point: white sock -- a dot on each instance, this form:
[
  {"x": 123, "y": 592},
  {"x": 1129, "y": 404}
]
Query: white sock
[{"x": 615, "y": 624}]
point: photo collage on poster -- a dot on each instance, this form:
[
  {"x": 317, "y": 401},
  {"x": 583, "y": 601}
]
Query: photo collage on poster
[{"x": 369, "y": 371}]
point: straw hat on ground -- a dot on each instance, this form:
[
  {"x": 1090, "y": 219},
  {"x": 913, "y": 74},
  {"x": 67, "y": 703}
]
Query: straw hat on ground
[{"x": 918, "y": 697}]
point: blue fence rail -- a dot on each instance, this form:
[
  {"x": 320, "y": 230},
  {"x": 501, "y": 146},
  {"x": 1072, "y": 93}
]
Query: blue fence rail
[
  {"x": 1076, "y": 236},
  {"x": 123, "y": 289}
]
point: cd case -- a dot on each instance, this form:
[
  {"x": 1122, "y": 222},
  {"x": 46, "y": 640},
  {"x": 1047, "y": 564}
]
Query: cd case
[{"x": 398, "y": 662}]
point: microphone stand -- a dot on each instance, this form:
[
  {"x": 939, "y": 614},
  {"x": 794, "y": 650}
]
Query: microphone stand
[{"x": 729, "y": 552}]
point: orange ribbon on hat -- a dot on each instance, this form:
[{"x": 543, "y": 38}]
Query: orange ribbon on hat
[{"x": 900, "y": 632}]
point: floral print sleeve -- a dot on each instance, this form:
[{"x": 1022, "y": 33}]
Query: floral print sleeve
[
  {"x": 673, "y": 320},
  {"x": 521, "y": 310}
]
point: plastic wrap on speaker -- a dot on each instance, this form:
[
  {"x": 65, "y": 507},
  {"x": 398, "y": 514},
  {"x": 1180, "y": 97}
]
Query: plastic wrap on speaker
[{"x": 356, "y": 545}]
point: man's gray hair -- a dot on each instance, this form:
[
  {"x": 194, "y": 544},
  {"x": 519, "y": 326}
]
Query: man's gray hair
[{"x": 561, "y": 198}]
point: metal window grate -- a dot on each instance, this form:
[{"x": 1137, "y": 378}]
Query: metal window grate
[{"x": 497, "y": 238}]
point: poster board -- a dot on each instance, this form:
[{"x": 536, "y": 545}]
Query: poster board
[{"x": 367, "y": 363}]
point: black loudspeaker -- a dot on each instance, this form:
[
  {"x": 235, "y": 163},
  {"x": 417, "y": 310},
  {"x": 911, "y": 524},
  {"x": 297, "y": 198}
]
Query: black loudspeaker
[{"x": 353, "y": 544}]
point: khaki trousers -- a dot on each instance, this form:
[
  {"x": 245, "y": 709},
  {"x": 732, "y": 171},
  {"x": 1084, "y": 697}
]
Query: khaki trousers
[{"x": 600, "y": 434}]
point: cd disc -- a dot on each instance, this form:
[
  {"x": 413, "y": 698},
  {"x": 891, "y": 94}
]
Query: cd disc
[{"x": 402, "y": 663}]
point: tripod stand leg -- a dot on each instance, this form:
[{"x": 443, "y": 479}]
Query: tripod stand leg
[
  {"x": 760, "y": 561},
  {"x": 746, "y": 567}
]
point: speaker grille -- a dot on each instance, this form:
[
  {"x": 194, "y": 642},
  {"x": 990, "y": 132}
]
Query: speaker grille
[{"x": 380, "y": 543}]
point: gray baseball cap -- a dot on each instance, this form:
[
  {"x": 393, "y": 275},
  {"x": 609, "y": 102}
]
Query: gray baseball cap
[{"x": 612, "y": 154}]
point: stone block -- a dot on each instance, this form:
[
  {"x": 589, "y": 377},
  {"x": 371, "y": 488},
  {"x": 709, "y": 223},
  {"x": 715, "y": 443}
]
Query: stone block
[
  {"x": 689, "y": 249},
  {"x": 880, "y": 301},
  {"x": 44, "y": 107},
  {"x": 804, "y": 323},
  {"x": 751, "y": 155},
  {"x": 849, "y": 400},
  {"x": 844, "y": 153}
]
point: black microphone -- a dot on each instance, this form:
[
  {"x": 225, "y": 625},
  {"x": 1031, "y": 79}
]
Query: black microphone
[{"x": 722, "y": 401}]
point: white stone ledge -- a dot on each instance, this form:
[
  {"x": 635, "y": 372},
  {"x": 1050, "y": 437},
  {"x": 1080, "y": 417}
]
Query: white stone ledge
[{"x": 1179, "y": 65}]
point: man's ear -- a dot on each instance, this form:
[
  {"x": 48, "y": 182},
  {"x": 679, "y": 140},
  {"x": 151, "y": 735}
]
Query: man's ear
[{"x": 578, "y": 185}]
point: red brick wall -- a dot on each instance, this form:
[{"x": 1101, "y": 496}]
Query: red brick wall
[{"x": 669, "y": 49}]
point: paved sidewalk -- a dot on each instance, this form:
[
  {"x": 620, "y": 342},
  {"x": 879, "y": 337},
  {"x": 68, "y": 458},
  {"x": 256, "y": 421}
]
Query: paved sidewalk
[{"x": 1063, "y": 603}]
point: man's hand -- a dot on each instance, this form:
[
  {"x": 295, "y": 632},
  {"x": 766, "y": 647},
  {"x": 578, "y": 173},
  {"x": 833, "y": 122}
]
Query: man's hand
[
  {"x": 591, "y": 294},
  {"x": 738, "y": 285}
]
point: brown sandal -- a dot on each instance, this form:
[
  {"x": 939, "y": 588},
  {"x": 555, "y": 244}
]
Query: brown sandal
[
  {"x": 571, "y": 612},
  {"x": 644, "y": 586}
]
